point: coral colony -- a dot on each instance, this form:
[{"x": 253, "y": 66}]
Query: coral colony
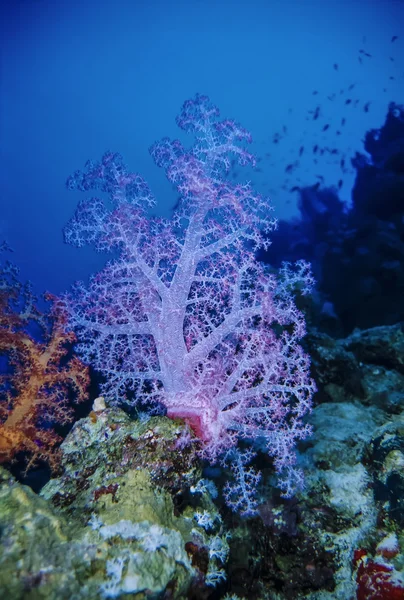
[
  {"x": 39, "y": 375},
  {"x": 184, "y": 316}
]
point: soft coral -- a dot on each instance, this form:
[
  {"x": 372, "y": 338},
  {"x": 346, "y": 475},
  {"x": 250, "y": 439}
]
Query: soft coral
[
  {"x": 184, "y": 315},
  {"x": 37, "y": 377}
]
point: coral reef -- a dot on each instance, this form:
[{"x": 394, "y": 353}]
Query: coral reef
[
  {"x": 128, "y": 517},
  {"x": 360, "y": 248},
  {"x": 342, "y": 536}
]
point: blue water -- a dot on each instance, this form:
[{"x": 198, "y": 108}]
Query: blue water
[{"x": 78, "y": 78}]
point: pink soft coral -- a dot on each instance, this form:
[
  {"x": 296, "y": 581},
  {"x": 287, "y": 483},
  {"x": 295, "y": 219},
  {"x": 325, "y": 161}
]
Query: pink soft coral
[{"x": 185, "y": 316}]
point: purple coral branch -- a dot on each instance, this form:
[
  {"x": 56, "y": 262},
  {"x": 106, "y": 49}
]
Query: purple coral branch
[{"x": 185, "y": 316}]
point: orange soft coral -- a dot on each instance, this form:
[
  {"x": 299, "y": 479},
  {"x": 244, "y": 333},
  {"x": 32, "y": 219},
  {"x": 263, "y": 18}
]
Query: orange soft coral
[{"x": 39, "y": 378}]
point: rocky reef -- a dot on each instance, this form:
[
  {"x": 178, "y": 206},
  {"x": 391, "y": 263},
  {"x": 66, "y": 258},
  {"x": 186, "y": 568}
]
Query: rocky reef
[{"x": 125, "y": 518}]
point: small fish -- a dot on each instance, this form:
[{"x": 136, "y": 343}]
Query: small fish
[
  {"x": 340, "y": 182},
  {"x": 315, "y": 149},
  {"x": 342, "y": 163},
  {"x": 335, "y": 65},
  {"x": 394, "y": 38},
  {"x": 343, "y": 121},
  {"x": 366, "y": 107},
  {"x": 320, "y": 177},
  {"x": 315, "y": 92},
  {"x": 325, "y": 127},
  {"x": 351, "y": 87},
  {"x": 295, "y": 188},
  {"x": 348, "y": 101},
  {"x": 316, "y": 113},
  {"x": 301, "y": 150}
]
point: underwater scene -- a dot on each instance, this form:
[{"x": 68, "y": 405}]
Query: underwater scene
[{"x": 202, "y": 300}]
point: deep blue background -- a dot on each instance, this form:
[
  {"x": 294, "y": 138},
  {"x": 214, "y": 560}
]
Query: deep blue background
[{"x": 78, "y": 78}]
